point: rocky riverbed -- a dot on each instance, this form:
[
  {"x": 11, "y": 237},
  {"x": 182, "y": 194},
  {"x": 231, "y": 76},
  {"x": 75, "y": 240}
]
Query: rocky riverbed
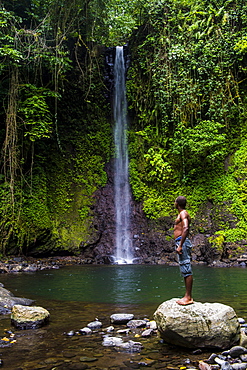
[{"x": 31, "y": 264}]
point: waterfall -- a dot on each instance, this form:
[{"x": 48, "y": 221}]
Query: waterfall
[{"x": 122, "y": 194}]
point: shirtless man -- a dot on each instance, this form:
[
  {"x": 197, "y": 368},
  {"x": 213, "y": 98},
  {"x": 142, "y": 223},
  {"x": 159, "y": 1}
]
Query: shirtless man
[{"x": 183, "y": 248}]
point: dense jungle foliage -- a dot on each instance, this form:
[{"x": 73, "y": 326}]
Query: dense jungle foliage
[{"x": 186, "y": 90}]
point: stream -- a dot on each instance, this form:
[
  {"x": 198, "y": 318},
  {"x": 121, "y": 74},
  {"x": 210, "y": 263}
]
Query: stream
[{"x": 76, "y": 295}]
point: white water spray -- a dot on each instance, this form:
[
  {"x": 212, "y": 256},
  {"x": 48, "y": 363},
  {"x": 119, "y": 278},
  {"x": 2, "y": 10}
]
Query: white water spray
[{"x": 122, "y": 194}]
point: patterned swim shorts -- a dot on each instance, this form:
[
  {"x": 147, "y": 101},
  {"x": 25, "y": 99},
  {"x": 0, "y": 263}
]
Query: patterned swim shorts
[{"x": 184, "y": 259}]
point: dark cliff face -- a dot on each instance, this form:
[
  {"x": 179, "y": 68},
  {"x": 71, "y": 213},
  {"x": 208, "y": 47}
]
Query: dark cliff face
[{"x": 152, "y": 239}]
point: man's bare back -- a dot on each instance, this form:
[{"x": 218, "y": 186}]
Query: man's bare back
[{"x": 181, "y": 222}]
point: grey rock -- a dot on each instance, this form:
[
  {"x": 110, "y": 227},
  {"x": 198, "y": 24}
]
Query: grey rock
[
  {"x": 121, "y": 318},
  {"x": 199, "y": 325},
  {"x": 226, "y": 366},
  {"x": 239, "y": 366},
  {"x": 147, "y": 333},
  {"x": 241, "y": 320},
  {"x": 211, "y": 358},
  {"x": 131, "y": 346},
  {"x": 136, "y": 324},
  {"x": 94, "y": 325},
  {"x": 85, "y": 331},
  {"x": 112, "y": 341},
  {"x": 110, "y": 328},
  {"x": 235, "y": 351},
  {"x": 8, "y": 300}
]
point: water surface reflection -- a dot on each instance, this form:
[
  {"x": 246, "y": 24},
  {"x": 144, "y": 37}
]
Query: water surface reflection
[{"x": 76, "y": 295}]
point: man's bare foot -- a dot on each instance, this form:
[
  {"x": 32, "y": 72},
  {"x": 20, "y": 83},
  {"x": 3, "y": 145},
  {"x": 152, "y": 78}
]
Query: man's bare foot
[{"x": 185, "y": 301}]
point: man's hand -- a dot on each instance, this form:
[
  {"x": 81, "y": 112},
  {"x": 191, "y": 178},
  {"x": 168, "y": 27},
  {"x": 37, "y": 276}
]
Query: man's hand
[{"x": 179, "y": 250}]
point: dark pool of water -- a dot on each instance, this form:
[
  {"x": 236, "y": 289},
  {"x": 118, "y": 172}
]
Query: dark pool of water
[{"x": 77, "y": 295}]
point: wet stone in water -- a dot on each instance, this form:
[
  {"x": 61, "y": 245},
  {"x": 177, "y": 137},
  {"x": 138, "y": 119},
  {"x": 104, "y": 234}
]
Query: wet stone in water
[{"x": 88, "y": 359}]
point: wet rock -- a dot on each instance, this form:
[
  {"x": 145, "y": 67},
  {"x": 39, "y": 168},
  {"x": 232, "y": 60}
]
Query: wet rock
[
  {"x": 147, "y": 333},
  {"x": 146, "y": 362},
  {"x": 136, "y": 324},
  {"x": 239, "y": 366},
  {"x": 112, "y": 341},
  {"x": 235, "y": 351},
  {"x": 110, "y": 328},
  {"x": 85, "y": 331},
  {"x": 94, "y": 325},
  {"x": 123, "y": 331},
  {"x": 70, "y": 333},
  {"x": 130, "y": 346},
  {"x": 23, "y": 317},
  {"x": 211, "y": 358},
  {"x": 152, "y": 325},
  {"x": 8, "y": 300},
  {"x": 241, "y": 320},
  {"x": 199, "y": 325},
  {"x": 88, "y": 359},
  {"x": 243, "y": 339},
  {"x": 121, "y": 318}
]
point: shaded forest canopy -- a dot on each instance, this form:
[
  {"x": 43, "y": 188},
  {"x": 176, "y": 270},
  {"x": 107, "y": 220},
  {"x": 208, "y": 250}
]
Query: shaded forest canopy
[{"x": 186, "y": 89}]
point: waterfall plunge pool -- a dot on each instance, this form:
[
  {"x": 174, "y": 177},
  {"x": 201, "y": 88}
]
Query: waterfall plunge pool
[{"x": 76, "y": 295}]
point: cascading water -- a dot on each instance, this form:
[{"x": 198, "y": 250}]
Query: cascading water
[{"x": 122, "y": 193}]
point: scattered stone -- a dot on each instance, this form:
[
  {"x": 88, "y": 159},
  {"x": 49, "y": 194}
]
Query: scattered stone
[
  {"x": 235, "y": 351},
  {"x": 94, "y": 325},
  {"x": 121, "y": 318},
  {"x": 147, "y": 333},
  {"x": 130, "y": 346},
  {"x": 112, "y": 341},
  {"x": 239, "y": 366},
  {"x": 146, "y": 362},
  {"x": 211, "y": 358},
  {"x": 241, "y": 320},
  {"x": 123, "y": 331},
  {"x": 152, "y": 324},
  {"x": 85, "y": 331},
  {"x": 88, "y": 359},
  {"x": 136, "y": 324},
  {"x": 8, "y": 300},
  {"x": 110, "y": 328},
  {"x": 70, "y": 333},
  {"x": 23, "y": 317}
]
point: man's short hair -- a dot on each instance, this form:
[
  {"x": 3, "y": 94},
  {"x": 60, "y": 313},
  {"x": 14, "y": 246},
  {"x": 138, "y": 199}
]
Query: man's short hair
[{"x": 181, "y": 201}]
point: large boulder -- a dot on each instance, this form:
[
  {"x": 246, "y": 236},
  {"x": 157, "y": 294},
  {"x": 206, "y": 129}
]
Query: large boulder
[
  {"x": 8, "y": 300},
  {"x": 198, "y": 325},
  {"x": 33, "y": 317}
]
